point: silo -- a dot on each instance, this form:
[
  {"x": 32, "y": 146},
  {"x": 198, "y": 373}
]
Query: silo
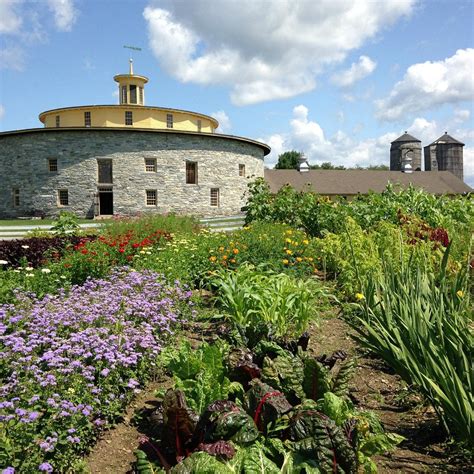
[
  {"x": 399, "y": 149},
  {"x": 445, "y": 154}
]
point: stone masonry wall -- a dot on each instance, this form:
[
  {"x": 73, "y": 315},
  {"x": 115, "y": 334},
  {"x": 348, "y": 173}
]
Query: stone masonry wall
[{"x": 24, "y": 165}]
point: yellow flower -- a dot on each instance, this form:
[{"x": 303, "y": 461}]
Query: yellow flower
[
  {"x": 289, "y": 252},
  {"x": 288, "y": 241},
  {"x": 299, "y": 259},
  {"x": 232, "y": 260},
  {"x": 213, "y": 258},
  {"x": 460, "y": 293},
  {"x": 285, "y": 261},
  {"x": 306, "y": 242},
  {"x": 295, "y": 243},
  {"x": 360, "y": 296},
  {"x": 221, "y": 249},
  {"x": 310, "y": 259},
  {"x": 288, "y": 232}
]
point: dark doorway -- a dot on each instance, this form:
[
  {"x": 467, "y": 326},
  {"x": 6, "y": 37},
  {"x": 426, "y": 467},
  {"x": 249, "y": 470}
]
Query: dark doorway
[{"x": 106, "y": 203}]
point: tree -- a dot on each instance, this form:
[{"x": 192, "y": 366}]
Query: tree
[
  {"x": 289, "y": 160},
  {"x": 327, "y": 166}
]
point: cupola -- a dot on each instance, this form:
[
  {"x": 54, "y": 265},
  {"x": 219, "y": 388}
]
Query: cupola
[{"x": 131, "y": 87}]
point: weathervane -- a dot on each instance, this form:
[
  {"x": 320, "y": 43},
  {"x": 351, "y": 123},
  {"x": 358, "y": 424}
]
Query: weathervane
[{"x": 134, "y": 48}]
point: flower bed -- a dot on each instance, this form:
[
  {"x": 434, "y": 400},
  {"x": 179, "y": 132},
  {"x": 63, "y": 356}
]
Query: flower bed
[{"x": 70, "y": 363}]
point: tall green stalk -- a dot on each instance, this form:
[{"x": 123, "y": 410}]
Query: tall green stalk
[{"x": 419, "y": 323}]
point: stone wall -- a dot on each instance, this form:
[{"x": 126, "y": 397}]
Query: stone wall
[{"x": 24, "y": 166}]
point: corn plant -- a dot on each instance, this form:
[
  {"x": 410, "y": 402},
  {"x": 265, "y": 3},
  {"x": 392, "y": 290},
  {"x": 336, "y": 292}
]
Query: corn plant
[
  {"x": 419, "y": 323},
  {"x": 279, "y": 303}
]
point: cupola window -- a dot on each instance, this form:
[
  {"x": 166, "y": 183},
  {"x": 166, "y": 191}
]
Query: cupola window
[
  {"x": 133, "y": 94},
  {"x": 123, "y": 98},
  {"x": 140, "y": 95}
]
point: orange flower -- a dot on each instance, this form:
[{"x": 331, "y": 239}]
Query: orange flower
[
  {"x": 212, "y": 258},
  {"x": 235, "y": 251},
  {"x": 224, "y": 257},
  {"x": 232, "y": 260}
]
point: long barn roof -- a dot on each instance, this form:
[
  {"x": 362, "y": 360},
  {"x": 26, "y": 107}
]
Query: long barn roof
[{"x": 352, "y": 182}]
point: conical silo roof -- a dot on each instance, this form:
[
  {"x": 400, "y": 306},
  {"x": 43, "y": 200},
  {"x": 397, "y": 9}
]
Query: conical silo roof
[
  {"x": 446, "y": 139},
  {"x": 406, "y": 137}
]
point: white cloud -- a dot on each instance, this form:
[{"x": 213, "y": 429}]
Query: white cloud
[
  {"x": 468, "y": 154},
  {"x": 356, "y": 72},
  {"x": 429, "y": 84},
  {"x": 24, "y": 23},
  {"x": 462, "y": 115},
  {"x": 2, "y": 111},
  {"x": 65, "y": 14},
  {"x": 224, "y": 121},
  {"x": 12, "y": 58},
  {"x": 10, "y": 20},
  {"x": 308, "y": 136},
  {"x": 262, "y": 53}
]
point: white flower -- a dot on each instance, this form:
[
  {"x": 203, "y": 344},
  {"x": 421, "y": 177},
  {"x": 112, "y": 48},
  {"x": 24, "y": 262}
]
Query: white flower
[
  {"x": 25, "y": 246},
  {"x": 29, "y": 269},
  {"x": 142, "y": 252},
  {"x": 45, "y": 270},
  {"x": 30, "y": 275},
  {"x": 148, "y": 253},
  {"x": 17, "y": 271},
  {"x": 3, "y": 262},
  {"x": 63, "y": 277}
]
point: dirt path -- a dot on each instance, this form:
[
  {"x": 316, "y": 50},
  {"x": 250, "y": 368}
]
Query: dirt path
[
  {"x": 375, "y": 387},
  {"x": 113, "y": 453}
]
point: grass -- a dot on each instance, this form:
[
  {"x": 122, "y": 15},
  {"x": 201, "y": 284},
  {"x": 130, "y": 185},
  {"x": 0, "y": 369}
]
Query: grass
[{"x": 37, "y": 222}]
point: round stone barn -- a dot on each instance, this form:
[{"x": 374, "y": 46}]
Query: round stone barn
[{"x": 125, "y": 159}]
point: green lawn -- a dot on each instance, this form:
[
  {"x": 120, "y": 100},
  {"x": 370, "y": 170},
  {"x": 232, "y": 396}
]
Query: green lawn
[{"x": 36, "y": 222}]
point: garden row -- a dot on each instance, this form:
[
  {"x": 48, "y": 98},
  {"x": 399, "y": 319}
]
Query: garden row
[{"x": 72, "y": 356}]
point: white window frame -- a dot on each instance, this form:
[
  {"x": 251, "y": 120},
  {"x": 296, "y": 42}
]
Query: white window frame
[{"x": 150, "y": 165}]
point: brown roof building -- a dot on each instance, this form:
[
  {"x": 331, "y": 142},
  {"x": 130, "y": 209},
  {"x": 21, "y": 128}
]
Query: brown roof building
[{"x": 353, "y": 182}]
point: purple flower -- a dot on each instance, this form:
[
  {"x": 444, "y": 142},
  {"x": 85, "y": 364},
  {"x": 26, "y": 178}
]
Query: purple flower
[
  {"x": 9, "y": 470},
  {"x": 34, "y": 415},
  {"x": 46, "y": 467},
  {"x": 104, "y": 372}
]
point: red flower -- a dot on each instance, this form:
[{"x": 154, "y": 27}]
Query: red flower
[{"x": 121, "y": 250}]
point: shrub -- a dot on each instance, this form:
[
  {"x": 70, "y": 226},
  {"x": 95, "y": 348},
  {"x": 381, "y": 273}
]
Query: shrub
[{"x": 70, "y": 363}]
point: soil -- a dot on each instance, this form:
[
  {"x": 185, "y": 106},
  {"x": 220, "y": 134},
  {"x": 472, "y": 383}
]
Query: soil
[{"x": 374, "y": 387}]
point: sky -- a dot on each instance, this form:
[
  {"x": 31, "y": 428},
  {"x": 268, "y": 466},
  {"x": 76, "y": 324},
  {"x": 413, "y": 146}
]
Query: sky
[{"x": 335, "y": 79}]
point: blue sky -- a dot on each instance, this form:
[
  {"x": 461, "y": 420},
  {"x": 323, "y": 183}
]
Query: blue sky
[{"x": 338, "y": 80}]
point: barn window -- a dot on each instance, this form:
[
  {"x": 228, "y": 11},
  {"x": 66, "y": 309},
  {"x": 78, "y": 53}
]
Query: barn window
[
  {"x": 169, "y": 120},
  {"x": 191, "y": 172},
  {"x": 215, "y": 197},
  {"x": 58, "y": 121},
  {"x": 150, "y": 165},
  {"x": 105, "y": 171},
  {"x": 16, "y": 197},
  {"x": 63, "y": 197},
  {"x": 151, "y": 197},
  {"x": 199, "y": 125},
  {"x": 53, "y": 165},
  {"x": 87, "y": 119},
  {"x": 241, "y": 170},
  {"x": 128, "y": 117}
]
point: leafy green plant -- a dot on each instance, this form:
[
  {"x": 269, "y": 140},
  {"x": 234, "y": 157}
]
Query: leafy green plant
[
  {"x": 265, "y": 304},
  {"x": 200, "y": 373},
  {"x": 66, "y": 224}
]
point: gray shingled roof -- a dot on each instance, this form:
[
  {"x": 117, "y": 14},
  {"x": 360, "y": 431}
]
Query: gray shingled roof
[
  {"x": 351, "y": 182},
  {"x": 406, "y": 137},
  {"x": 446, "y": 139}
]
